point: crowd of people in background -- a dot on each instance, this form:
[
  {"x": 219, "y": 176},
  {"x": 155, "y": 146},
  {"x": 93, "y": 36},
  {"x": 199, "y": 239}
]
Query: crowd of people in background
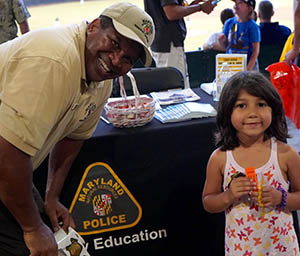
[
  {"x": 170, "y": 28},
  {"x": 271, "y": 32},
  {"x": 244, "y": 30}
]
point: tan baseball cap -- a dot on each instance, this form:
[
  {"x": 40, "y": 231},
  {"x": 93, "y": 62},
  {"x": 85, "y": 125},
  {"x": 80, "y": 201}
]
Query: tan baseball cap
[{"x": 134, "y": 23}]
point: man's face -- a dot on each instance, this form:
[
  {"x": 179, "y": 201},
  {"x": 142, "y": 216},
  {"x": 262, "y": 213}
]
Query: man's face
[{"x": 108, "y": 54}]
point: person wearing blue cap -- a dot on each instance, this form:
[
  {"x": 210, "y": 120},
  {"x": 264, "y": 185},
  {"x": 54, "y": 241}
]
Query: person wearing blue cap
[{"x": 241, "y": 34}]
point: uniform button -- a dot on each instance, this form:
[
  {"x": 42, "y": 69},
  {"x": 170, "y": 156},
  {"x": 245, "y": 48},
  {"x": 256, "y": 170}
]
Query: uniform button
[{"x": 74, "y": 106}]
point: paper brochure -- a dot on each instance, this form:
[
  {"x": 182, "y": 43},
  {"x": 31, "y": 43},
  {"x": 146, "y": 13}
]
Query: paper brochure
[{"x": 184, "y": 111}]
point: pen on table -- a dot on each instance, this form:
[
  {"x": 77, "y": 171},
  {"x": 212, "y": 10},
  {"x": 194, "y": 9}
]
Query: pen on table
[{"x": 104, "y": 119}]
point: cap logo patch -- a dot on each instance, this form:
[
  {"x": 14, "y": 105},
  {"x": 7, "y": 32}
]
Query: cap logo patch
[{"x": 146, "y": 28}]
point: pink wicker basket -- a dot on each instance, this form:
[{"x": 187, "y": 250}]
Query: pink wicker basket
[{"x": 130, "y": 112}]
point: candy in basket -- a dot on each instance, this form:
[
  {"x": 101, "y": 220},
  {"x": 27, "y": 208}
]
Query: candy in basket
[{"x": 130, "y": 112}]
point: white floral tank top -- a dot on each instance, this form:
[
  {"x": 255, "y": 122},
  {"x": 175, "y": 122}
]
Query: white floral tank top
[{"x": 255, "y": 231}]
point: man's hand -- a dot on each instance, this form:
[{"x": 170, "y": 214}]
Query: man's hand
[
  {"x": 41, "y": 242},
  {"x": 207, "y": 7},
  {"x": 291, "y": 56},
  {"x": 196, "y": 2},
  {"x": 58, "y": 213}
]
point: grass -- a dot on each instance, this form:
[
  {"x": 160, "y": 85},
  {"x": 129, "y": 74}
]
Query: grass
[{"x": 199, "y": 25}]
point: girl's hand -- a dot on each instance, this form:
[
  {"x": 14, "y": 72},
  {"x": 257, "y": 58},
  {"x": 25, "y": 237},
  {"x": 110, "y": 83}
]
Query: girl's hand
[
  {"x": 240, "y": 187},
  {"x": 271, "y": 197}
]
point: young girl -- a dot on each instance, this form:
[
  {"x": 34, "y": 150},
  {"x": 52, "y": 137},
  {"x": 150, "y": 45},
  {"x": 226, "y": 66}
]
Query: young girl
[
  {"x": 251, "y": 172},
  {"x": 241, "y": 34}
]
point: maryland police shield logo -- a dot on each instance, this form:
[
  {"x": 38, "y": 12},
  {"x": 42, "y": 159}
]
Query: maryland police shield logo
[{"x": 103, "y": 203}]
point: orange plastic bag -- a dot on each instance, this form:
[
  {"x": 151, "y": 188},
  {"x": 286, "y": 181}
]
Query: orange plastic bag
[{"x": 286, "y": 79}]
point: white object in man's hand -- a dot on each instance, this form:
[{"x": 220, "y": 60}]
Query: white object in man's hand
[{"x": 70, "y": 243}]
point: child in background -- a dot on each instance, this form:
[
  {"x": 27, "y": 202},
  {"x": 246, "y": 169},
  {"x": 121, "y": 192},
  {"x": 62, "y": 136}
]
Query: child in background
[
  {"x": 251, "y": 132},
  {"x": 241, "y": 34},
  {"x": 212, "y": 41}
]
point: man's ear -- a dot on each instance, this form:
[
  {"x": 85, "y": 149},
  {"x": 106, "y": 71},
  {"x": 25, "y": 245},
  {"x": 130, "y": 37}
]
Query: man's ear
[{"x": 94, "y": 25}]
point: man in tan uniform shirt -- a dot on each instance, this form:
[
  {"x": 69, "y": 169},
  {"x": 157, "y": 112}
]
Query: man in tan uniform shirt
[{"x": 53, "y": 85}]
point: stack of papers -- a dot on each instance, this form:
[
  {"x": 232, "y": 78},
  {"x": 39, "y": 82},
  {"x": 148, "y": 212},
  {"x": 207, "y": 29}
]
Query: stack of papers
[
  {"x": 208, "y": 87},
  {"x": 174, "y": 96},
  {"x": 184, "y": 111}
]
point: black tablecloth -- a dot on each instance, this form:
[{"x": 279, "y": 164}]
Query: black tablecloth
[{"x": 163, "y": 166}]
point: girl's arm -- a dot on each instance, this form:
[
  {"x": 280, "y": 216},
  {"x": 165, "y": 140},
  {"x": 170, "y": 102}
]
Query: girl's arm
[
  {"x": 214, "y": 199},
  {"x": 254, "y": 56},
  {"x": 293, "y": 164},
  {"x": 289, "y": 162}
]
